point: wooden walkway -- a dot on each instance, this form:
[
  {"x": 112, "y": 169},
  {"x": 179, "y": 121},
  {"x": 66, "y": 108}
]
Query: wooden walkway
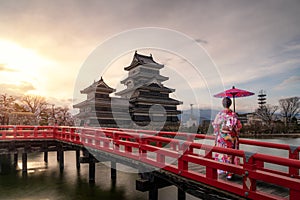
[{"x": 261, "y": 186}]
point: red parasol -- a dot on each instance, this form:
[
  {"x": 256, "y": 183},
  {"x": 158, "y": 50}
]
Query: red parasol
[{"x": 233, "y": 93}]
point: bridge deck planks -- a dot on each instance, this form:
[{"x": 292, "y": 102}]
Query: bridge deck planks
[{"x": 260, "y": 186}]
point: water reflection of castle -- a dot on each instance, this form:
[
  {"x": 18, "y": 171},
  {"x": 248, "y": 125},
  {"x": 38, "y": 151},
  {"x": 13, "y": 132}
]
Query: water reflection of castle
[{"x": 144, "y": 103}]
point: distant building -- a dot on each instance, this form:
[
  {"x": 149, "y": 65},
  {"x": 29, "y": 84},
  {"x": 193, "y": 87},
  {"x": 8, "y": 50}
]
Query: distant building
[
  {"x": 145, "y": 100},
  {"x": 250, "y": 119},
  {"x": 192, "y": 121},
  {"x": 243, "y": 118}
]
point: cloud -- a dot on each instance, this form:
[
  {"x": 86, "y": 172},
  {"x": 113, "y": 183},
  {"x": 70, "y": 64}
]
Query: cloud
[
  {"x": 16, "y": 89},
  {"x": 281, "y": 62},
  {"x": 201, "y": 41},
  {"x": 293, "y": 48},
  {"x": 288, "y": 83},
  {"x": 4, "y": 68},
  {"x": 60, "y": 102}
]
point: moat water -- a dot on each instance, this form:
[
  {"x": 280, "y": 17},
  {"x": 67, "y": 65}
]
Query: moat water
[{"x": 46, "y": 182}]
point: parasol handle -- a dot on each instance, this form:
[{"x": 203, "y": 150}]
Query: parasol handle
[{"x": 233, "y": 97}]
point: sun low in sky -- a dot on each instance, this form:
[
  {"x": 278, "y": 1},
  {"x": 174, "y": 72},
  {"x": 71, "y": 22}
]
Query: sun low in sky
[
  {"x": 22, "y": 68},
  {"x": 25, "y": 71}
]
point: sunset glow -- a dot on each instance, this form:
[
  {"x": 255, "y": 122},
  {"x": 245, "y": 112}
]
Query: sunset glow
[{"x": 21, "y": 65}]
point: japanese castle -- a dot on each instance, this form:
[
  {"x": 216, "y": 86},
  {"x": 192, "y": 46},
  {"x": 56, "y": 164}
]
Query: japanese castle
[{"x": 145, "y": 101}]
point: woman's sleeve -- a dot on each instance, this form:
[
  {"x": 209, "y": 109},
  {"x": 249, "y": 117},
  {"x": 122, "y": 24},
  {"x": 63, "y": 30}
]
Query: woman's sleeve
[
  {"x": 216, "y": 124},
  {"x": 216, "y": 121},
  {"x": 238, "y": 125}
]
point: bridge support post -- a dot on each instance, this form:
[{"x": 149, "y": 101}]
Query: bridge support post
[
  {"x": 92, "y": 170},
  {"x": 15, "y": 163},
  {"x": 61, "y": 159},
  {"x": 77, "y": 159},
  {"x": 113, "y": 170},
  {"x": 180, "y": 194},
  {"x": 57, "y": 156},
  {"x": 24, "y": 162},
  {"x": 9, "y": 159},
  {"x": 153, "y": 190},
  {"x": 0, "y": 164},
  {"x": 46, "y": 156},
  {"x": 153, "y": 193}
]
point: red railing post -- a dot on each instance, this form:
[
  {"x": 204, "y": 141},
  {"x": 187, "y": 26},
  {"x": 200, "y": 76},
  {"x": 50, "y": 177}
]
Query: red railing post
[
  {"x": 182, "y": 164},
  {"x": 72, "y": 134},
  {"x": 3, "y": 134},
  {"x": 260, "y": 164},
  {"x": 190, "y": 138},
  {"x": 115, "y": 141},
  {"x": 96, "y": 138},
  {"x": 106, "y": 140},
  {"x": 44, "y": 133},
  {"x": 159, "y": 144},
  {"x": 128, "y": 148},
  {"x": 55, "y": 132},
  {"x": 160, "y": 158},
  {"x": 83, "y": 136},
  {"x": 210, "y": 172},
  {"x": 63, "y": 133},
  {"x": 77, "y": 136},
  {"x": 35, "y": 132},
  {"x": 294, "y": 194},
  {"x": 293, "y": 154},
  {"x": 142, "y": 152},
  {"x": 69, "y": 135},
  {"x": 249, "y": 184},
  {"x": 15, "y": 130}
]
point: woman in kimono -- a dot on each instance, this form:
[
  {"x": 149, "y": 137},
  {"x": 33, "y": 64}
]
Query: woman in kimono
[{"x": 226, "y": 128}]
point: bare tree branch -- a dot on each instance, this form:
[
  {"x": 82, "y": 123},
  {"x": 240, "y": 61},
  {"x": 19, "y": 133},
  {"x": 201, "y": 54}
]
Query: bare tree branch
[{"x": 289, "y": 108}]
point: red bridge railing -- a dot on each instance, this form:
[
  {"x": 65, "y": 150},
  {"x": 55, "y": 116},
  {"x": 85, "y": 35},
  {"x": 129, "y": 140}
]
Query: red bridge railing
[{"x": 176, "y": 152}]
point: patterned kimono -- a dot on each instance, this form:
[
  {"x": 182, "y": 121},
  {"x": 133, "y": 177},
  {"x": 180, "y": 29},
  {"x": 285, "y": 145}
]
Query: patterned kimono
[{"x": 226, "y": 127}]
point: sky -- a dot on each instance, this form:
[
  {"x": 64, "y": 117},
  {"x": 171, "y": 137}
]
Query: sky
[{"x": 45, "y": 47}]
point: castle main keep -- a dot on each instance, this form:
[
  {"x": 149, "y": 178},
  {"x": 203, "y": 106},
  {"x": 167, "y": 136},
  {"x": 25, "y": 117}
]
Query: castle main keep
[{"x": 144, "y": 103}]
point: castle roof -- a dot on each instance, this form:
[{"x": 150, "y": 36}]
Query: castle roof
[
  {"x": 99, "y": 86},
  {"x": 139, "y": 59}
]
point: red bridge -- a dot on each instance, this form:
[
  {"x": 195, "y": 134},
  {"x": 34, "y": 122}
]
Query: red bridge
[{"x": 174, "y": 158}]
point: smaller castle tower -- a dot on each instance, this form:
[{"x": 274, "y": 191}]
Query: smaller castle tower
[{"x": 96, "y": 109}]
